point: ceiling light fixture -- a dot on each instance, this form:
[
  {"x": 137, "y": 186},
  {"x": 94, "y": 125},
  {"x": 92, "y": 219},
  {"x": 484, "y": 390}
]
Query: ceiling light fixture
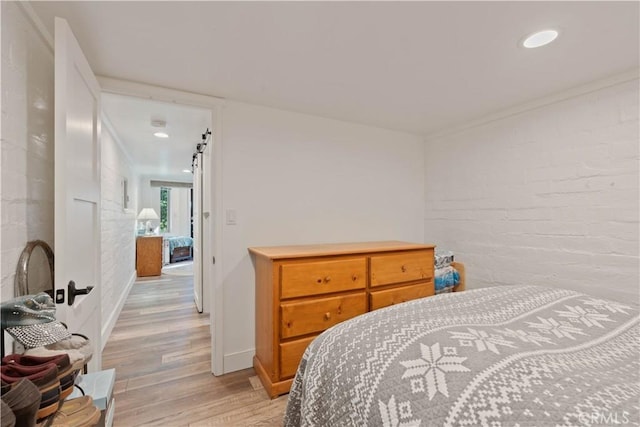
[
  {"x": 186, "y": 170},
  {"x": 161, "y": 135},
  {"x": 158, "y": 123},
  {"x": 540, "y": 38}
]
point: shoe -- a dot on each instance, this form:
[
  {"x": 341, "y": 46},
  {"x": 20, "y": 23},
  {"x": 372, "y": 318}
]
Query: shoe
[
  {"x": 24, "y": 401},
  {"x": 78, "y": 348},
  {"x": 77, "y": 342},
  {"x": 70, "y": 407},
  {"x": 7, "y": 418},
  {"x": 76, "y": 358},
  {"x": 5, "y": 387},
  {"x": 44, "y": 377},
  {"x": 86, "y": 417},
  {"x": 66, "y": 374}
]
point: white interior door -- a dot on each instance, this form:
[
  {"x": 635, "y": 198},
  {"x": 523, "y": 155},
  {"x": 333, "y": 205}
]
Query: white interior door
[
  {"x": 77, "y": 189},
  {"x": 197, "y": 233}
]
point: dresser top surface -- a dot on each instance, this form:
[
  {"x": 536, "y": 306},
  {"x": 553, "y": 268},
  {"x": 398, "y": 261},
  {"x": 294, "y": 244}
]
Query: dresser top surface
[{"x": 301, "y": 251}]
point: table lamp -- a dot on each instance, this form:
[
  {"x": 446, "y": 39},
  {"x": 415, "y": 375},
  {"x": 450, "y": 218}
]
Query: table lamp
[{"x": 148, "y": 214}]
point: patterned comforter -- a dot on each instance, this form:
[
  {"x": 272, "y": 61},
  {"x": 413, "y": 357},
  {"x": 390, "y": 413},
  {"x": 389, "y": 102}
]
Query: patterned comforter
[{"x": 510, "y": 355}]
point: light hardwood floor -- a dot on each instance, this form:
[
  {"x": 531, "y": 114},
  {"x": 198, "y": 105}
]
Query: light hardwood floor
[{"x": 160, "y": 348}]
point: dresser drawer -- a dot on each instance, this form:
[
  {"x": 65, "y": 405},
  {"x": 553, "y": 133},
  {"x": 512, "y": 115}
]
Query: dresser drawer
[
  {"x": 379, "y": 299},
  {"x": 306, "y": 317},
  {"x": 291, "y": 354},
  {"x": 402, "y": 267},
  {"x": 322, "y": 277}
]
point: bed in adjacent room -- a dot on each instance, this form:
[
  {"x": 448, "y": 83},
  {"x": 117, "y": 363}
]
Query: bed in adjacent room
[
  {"x": 509, "y": 355},
  {"x": 180, "y": 248}
]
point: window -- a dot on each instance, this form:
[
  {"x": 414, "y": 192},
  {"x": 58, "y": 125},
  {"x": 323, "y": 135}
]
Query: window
[{"x": 165, "y": 197}]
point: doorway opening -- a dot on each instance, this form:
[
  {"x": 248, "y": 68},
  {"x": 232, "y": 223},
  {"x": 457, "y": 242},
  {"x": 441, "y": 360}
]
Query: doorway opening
[{"x": 161, "y": 176}]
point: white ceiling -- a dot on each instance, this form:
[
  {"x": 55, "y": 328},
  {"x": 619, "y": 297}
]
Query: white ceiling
[
  {"x": 414, "y": 66},
  {"x": 164, "y": 158}
]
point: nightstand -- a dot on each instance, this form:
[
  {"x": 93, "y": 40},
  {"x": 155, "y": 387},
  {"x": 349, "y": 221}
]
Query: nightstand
[{"x": 149, "y": 256}]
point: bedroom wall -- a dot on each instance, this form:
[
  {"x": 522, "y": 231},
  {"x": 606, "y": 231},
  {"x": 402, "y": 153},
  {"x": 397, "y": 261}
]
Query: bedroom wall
[
  {"x": 180, "y": 211},
  {"x": 27, "y": 149},
  {"x": 118, "y": 229},
  {"x": 296, "y": 179},
  {"x": 545, "y": 197},
  {"x": 149, "y": 197}
]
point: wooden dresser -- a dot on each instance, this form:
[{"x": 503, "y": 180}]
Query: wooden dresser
[
  {"x": 303, "y": 290},
  {"x": 149, "y": 256}
]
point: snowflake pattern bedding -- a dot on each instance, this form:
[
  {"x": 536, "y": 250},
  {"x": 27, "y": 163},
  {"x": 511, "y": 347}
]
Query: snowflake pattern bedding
[{"x": 511, "y": 355}]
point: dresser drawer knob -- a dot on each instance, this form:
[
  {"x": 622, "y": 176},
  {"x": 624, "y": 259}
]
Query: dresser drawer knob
[
  {"x": 327, "y": 315},
  {"x": 403, "y": 268},
  {"x": 354, "y": 277},
  {"x": 327, "y": 279}
]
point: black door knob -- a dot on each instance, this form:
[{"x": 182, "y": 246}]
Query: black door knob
[{"x": 73, "y": 291}]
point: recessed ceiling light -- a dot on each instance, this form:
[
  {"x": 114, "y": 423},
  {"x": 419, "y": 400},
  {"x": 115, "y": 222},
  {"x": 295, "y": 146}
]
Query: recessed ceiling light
[
  {"x": 161, "y": 135},
  {"x": 540, "y": 38},
  {"x": 158, "y": 123},
  {"x": 186, "y": 170}
]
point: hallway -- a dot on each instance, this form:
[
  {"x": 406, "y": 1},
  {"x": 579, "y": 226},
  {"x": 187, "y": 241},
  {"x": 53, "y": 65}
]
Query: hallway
[{"x": 160, "y": 348}]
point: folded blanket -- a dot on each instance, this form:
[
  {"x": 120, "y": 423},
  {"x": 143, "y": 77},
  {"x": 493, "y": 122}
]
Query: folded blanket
[
  {"x": 446, "y": 277},
  {"x": 442, "y": 258}
]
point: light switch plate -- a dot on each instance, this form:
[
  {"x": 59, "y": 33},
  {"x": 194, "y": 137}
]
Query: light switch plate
[{"x": 231, "y": 217}]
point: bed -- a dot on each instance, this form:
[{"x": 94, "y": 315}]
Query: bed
[
  {"x": 180, "y": 248},
  {"x": 509, "y": 355}
]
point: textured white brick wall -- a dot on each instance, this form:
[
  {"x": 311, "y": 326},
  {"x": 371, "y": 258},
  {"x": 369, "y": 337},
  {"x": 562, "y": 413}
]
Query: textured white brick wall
[
  {"x": 27, "y": 140},
  {"x": 545, "y": 197},
  {"x": 118, "y": 227}
]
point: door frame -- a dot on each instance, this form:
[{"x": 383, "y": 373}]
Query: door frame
[
  {"x": 197, "y": 194},
  {"x": 212, "y": 183}
]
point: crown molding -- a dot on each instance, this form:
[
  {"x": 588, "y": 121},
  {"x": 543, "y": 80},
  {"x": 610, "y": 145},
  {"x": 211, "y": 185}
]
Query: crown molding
[
  {"x": 158, "y": 93},
  {"x": 616, "y": 79}
]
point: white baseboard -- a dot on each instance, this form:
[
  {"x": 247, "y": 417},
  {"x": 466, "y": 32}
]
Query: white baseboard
[
  {"x": 113, "y": 318},
  {"x": 238, "y": 361}
]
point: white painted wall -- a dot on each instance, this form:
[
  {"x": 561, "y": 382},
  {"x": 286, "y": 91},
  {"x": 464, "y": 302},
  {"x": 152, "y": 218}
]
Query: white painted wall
[
  {"x": 297, "y": 179},
  {"x": 546, "y": 197},
  {"x": 118, "y": 229},
  {"x": 27, "y": 140},
  {"x": 148, "y": 197},
  {"x": 180, "y": 212},
  {"x": 180, "y": 216}
]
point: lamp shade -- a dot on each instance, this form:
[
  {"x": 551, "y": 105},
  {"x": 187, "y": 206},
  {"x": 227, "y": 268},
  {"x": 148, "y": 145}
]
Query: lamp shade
[{"x": 147, "y": 214}]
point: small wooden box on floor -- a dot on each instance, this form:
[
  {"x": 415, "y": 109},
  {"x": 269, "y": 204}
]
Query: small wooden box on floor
[
  {"x": 303, "y": 290},
  {"x": 149, "y": 256}
]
